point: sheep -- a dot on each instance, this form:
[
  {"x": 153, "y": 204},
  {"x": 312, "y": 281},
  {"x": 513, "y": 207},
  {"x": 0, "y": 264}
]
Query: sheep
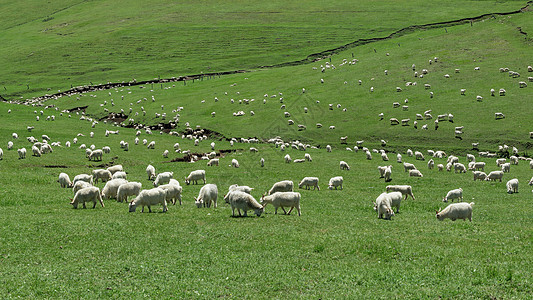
[
  {"x": 36, "y": 151},
  {"x": 96, "y": 155},
  {"x": 522, "y": 84},
  {"x": 494, "y": 175},
  {"x": 368, "y": 155},
  {"x": 453, "y": 194},
  {"x": 122, "y": 175},
  {"x": 502, "y": 92},
  {"x": 406, "y": 190},
  {"x": 21, "y": 152},
  {"x": 235, "y": 163},
  {"x": 88, "y": 194},
  {"x": 470, "y": 157},
  {"x": 409, "y": 152},
  {"x": 102, "y": 174},
  {"x": 80, "y": 185},
  {"x": 431, "y": 164},
  {"x": 149, "y": 198},
  {"x": 287, "y": 158},
  {"x": 512, "y": 186},
  {"x": 194, "y": 176},
  {"x": 151, "y": 145},
  {"x": 243, "y": 201},
  {"x": 387, "y": 173},
  {"x": 419, "y": 155},
  {"x": 440, "y": 167},
  {"x": 283, "y": 199},
  {"x": 309, "y": 182},
  {"x": 163, "y": 178},
  {"x": 262, "y": 161},
  {"x": 459, "y": 167},
  {"x": 82, "y": 177},
  {"x": 384, "y": 156},
  {"x": 479, "y": 166},
  {"x": 344, "y": 165},
  {"x": 64, "y": 180},
  {"x": 381, "y": 170},
  {"x": 282, "y": 186},
  {"x": 307, "y": 157},
  {"x": 335, "y": 182},
  {"x": 328, "y": 148},
  {"x": 399, "y": 158},
  {"x": 106, "y": 149},
  {"x": 456, "y": 211},
  {"x": 173, "y": 191},
  {"x": 213, "y": 162},
  {"x": 115, "y": 168},
  {"x": 408, "y": 166},
  {"x": 415, "y": 173},
  {"x": 506, "y": 167},
  {"x": 208, "y": 193},
  {"x": 479, "y": 175},
  {"x": 128, "y": 189},
  {"x": 513, "y": 160},
  {"x": 383, "y": 206},
  {"x": 150, "y": 171},
  {"x": 499, "y": 116},
  {"x": 394, "y": 121},
  {"x": 111, "y": 188}
]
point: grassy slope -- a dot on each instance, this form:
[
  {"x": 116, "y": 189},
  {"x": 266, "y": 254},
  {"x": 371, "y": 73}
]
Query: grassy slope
[{"x": 77, "y": 42}]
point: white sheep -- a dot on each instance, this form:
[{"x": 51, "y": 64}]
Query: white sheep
[
  {"x": 235, "y": 163},
  {"x": 213, "y": 162},
  {"x": 479, "y": 175},
  {"x": 283, "y": 199},
  {"x": 344, "y": 165},
  {"x": 262, "y": 161},
  {"x": 64, "y": 180},
  {"x": 102, "y": 174},
  {"x": 383, "y": 206},
  {"x": 309, "y": 182},
  {"x": 128, "y": 189},
  {"x": 208, "y": 193},
  {"x": 506, "y": 167},
  {"x": 499, "y": 116},
  {"x": 419, "y": 155},
  {"x": 88, "y": 194},
  {"x": 111, "y": 188},
  {"x": 470, "y": 157},
  {"x": 96, "y": 155},
  {"x": 431, "y": 164},
  {"x": 163, "y": 178},
  {"x": 115, "y": 168},
  {"x": 173, "y": 191},
  {"x": 148, "y": 198},
  {"x": 335, "y": 182},
  {"x": 80, "y": 185},
  {"x": 399, "y": 158},
  {"x": 408, "y": 166},
  {"x": 21, "y": 152},
  {"x": 328, "y": 148},
  {"x": 459, "y": 168},
  {"x": 494, "y": 175},
  {"x": 194, "y": 176},
  {"x": 307, "y": 157},
  {"x": 453, "y": 194},
  {"x": 415, "y": 173},
  {"x": 440, "y": 167},
  {"x": 150, "y": 171},
  {"x": 409, "y": 152},
  {"x": 387, "y": 173},
  {"x": 381, "y": 170},
  {"x": 456, "y": 211},
  {"x": 512, "y": 186},
  {"x": 122, "y": 175},
  {"x": 151, "y": 145},
  {"x": 36, "y": 151},
  {"x": 281, "y": 186},
  {"x": 241, "y": 188},
  {"x": 83, "y": 177},
  {"x": 384, "y": 156},
  {"x": 243, "y": 201},
  {"x": 287, "y": 158}
]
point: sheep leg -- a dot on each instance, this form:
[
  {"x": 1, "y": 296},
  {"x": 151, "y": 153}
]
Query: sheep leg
[
  {"x": 290, "y": 210},
  {"x": 142, "y": 210},
  {"x": 233, "y": 211},
  {"x": 94, "y": 204},
  {"x": 276, "y": 210},
  {"x": 84, "y": 205},
  {"x": 149, "y": 209},
  {"x": 284, "y": 210},
  {"x": 299, "y": 212},
  {"x": 245, "y": 213}
]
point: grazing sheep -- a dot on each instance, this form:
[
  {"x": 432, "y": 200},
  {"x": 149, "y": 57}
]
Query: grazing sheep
[
  {"x": 262, "y": 161},
  {"x": 102, "y": 174},
  {"x": 307, "y": 157},
  {"x": 128, "y": 189},
  {"x": 328, "y": 148},
  {"x": 21, "y": 152},
  {"x": 80, "y": 185},
  {"x": 431, "y": 164},
  {"x": 163, "y": 178},
  {"x": 459, "y": 167},
  {"x": 83, "y": 177},
  {"x": 282, "y": 186},
  {"x": 335, "y": 182},
  {"x": 243, "y": 201},
  {"x": 387, "y": 173},
  {"x": 213, "y": 162},
  {"x": 512, "y": 186},
  {"x": 148, "y": 198},
  {"x": 115, "y": 168},
  {"x": 111, "y": 188},
  {"x": 241, "y": 188},
  {"x": 96, "y": 155},
  {"x": 287, "y": 158},
  {"x": 283, "y": 199},
  {"x": 381, "y": 170},
  {"x": 408, "y": 166},
  {"x": 309, "y": 182},
  {"x": 384, "y": 156},
  {"x": 344, "y": 165},
  {"x": 150, "y": 171},
  {"x": 151, "y": 145},
  {"x": 405, "y": 190},
  {"x": 470, "y": 157},
  {"x": 194, "y": 176},
  {"x": 506, "y": 167},
  {"x": 394, "y": 121},
  {"x": 440, "y": 167},
  {"x": 494, "y": 175},
  {"x": 399, "y": 158},
  {"x": 499, "y": 116},
  {"x": 122, "y": 175},
  {"x": 208, "y": 193},
  {"x": 453, "y": 194},
  {"x": 36, "y": 151},
  {"x": 479, "y": 175},
  {"x": 64, "y": 180},
  {"x": 456, "y": 211},
  {"x": 88, "y": 194},
  {"x": 415, "y": 173},
  {"x": 513, "y": 160},
  {"x": 383, "y": 206},
  {"x": 235, "y": 163},
  {"x": 419, "y": 155}
]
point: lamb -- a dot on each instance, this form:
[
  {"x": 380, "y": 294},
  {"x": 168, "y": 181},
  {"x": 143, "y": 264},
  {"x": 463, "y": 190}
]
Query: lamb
[
  {"x": 110, "y": 189},
  {"x": 80, "y": 185},
  {"x": 88, "y": 194},
  {"x": 479, "y": 175},
  {"x": 512, "y": 186},
  {"x": 287, "y": 158},
  {"x": 415, "y": 173},
  {"x": 344, "y": 165},
  {"x": 213, "y": 162},
  {"x": 408, "y": 166},
  {"x": 115, "y": 168},
  {"x": 64, "y": 180},
  {"x": 335, "y": 182},
  {"x": 128, "y": 189},
  {"x": 494, "y": 175},
  {"x": 102, "y": 174},
  {"x": 456, "y": 211},
  {"x": 163, "y": 178},
  {"x": 208, "y": 193},
  {"x": 122, "y": 175},
  {"x": 96, "y": 155},
  {"x": 283, "y": 199},
  {"x": 21, "y": 152},
  {"x": 149, "y": 198},
  {"x": 459, "y": 167},
  {"x": 235, "y": 163},
  {"x": 453, "y": 194},
  {"x": 195, "y": 176},
  {"x": 242, "y": 201},
  {"x": 309, "y": 182},
  {"x": 150, "y": 171},
  {"x": 282, "y": 186},
  {"x": 506, "y": 167},
  {"x": 83, "y": 177},
  {"x": 383, "y": 206},
  {"x": 173, "y": 191}
]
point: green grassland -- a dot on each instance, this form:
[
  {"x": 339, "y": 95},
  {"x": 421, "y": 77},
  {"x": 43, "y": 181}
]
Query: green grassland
[{"x": 337, "y": 248}]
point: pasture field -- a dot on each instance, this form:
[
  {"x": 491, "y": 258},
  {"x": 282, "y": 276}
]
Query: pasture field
[
  {"x": 61, "y": 43},
  {"x": 337, "y": 248}
]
